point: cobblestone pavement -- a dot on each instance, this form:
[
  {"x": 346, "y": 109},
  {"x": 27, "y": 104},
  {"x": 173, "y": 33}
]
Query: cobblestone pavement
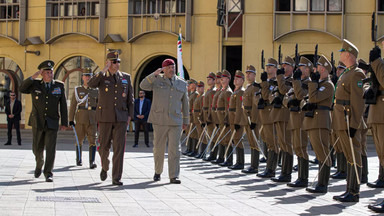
[{"x": 206, "y": 189}]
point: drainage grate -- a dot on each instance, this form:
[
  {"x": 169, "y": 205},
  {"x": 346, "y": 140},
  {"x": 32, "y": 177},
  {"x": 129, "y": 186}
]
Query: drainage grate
[{"x": 67, "y": 199}]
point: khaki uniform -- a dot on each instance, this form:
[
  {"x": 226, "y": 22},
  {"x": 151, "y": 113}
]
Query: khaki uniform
[
  {"x": 192, "y": 97},
  {"x": 223, "y": 113},
  {"x": 208, "y": 114},
  {"x": 251, "y": 112},
  {"x": 236, "y": 115},
  {"x": 169, "y": 112},
  {"x": 198, "y": 116},
  {"x": 115, "y": 106}
]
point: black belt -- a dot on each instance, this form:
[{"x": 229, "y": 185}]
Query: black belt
[
  {"x": 323, "y": 108},
  {"x": 214, "y": 109},
  {"x": 205, "y": 108},
  {"x": 248, "y": 107},
  {"x": 87, "y": 108},
  {"x": 220, "y": 108},
  {"x": 232, "y": 109},
  {"x": 196, "y": 110},
  {"x": 343, "y": 102}
]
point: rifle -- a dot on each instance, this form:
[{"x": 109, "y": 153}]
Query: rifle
[
  {"x": 280, "y": 56},
  {"x": 297, "y": 56},
  {"x": 262, "y": 60},
  {"x": 333, "y": 71},
  {"x": 315, "y": 57}
]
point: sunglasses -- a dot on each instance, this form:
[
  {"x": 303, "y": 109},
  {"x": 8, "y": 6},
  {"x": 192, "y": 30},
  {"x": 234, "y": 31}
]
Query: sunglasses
[{"x": 116, "y": 61}]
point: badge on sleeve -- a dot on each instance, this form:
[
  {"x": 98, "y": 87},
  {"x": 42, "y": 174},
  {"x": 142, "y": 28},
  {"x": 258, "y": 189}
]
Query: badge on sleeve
[
  {"x": 360, "y": 84},
  {"x": 321, "y": 88}
]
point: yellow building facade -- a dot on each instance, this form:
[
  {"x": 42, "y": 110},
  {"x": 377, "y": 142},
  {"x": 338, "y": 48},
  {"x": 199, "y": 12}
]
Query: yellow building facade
[{"x": 79, "y": 33}]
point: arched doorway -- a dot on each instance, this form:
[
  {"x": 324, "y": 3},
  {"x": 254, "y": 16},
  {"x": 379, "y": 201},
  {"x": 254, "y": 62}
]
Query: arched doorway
[
  {"x": 11, "y": 77},
  {"x": 149, "y": 67},
  {"x": 70, "y": 72}
]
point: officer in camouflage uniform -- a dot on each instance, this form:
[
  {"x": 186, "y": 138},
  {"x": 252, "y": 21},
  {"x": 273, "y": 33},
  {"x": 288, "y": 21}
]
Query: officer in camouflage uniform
[
  {"x": 48, "y": 105},
  {"x": 83, "y": 110},
  {"x": 252, "y": 117}
]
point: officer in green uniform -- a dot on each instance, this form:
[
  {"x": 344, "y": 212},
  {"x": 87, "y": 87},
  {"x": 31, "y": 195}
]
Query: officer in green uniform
[
  {"x": 48, "y": 106},
  {"x": 114, "y": 111},
  {"x": 83, "y": 110}
]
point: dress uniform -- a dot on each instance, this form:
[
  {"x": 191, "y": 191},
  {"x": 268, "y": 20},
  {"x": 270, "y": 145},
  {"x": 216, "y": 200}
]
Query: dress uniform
[
  {"x": 207, "y": 108},
  {"x": 341, "y": 172},
  {"x": 280, "y": 118},
  {"x": 198, "y": 120},
  {"x": 318, "y": 122},
  {"x": 348, "y": 111},
  {"x": 48, "y": 106},
  {"x": 215, "y": 119},
  {"x": 252, "y": 117},
  {"x": 299, "y": 136},
  {"x": 114, "y": 110},
  {"x": 222, "y": 116},
  {"x": 169, "y": 112},
  {"x": 192, "y": 139},
  {"x": 375, "y": 119},
  {"x": 83, "y": 110},
  {"x": 268, "y": 133},
  {"x": 237, "y": 120}
]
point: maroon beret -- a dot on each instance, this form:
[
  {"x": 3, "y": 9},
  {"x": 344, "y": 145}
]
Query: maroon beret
[{"x": 168, "y": 62}]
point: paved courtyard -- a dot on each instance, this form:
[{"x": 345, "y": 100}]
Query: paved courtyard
[{"x": 206, "y": 189}]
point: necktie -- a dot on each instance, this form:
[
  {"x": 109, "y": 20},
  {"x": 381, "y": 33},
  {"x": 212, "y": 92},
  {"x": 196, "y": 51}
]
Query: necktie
[
  {"x": 114, "y": 77},
  {"x": 170, "y": 80},
  {"x": 47, "y": 86}
]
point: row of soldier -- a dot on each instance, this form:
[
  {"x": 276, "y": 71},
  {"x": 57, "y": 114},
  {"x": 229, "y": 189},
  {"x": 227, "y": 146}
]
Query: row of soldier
[{"x": 286, "y": 110}]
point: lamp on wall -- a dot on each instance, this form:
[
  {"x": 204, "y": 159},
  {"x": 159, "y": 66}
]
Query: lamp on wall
[{"x": 34, "y": 52}]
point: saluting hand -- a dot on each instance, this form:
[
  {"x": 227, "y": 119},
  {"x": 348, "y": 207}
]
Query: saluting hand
[
  {"x": 107, "y": 65},
  {"x": 37, "y": 74},
  {"x": 158, "y": 71}
]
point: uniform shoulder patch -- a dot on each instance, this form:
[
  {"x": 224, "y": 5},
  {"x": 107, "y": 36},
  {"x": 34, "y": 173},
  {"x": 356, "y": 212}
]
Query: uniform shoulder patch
[
  {"x": 321, "y": 88},
  {"x": 360, "y": 84}
]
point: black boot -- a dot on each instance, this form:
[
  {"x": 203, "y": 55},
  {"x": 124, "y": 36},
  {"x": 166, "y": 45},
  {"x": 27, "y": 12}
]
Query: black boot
[
  {"x": 341, "y": 172},
  {"x": 221, "y": 152},
  {"x": 92, "y": 156},
  {"x": 280, "y": 158},
  {"x": 302, "y": 180},
  {"x": 379, "y": 183},
  {"x": 201, "y": 151},
  {"x": 229, "y": 161},
  {"x": 265, "y": 151},
  {"x": 314, "y": 161},
  {"x": 271, "y": 165},
  {"x": 364, "y": 171},
  {"x": 79, "y": 162},
  {"x": 254, "y": 167},
  {"x": 353, "y": 188},
  {"x": 212, "y": 155},
  {"x": 189, "y": 148},
  {"x": 239, "y": 159},
  {"x": 193, "y": 152},
  {"x": 323, "y": 179},
  {"x": 377, "y": 207},
  {"x": 286, "y": 171}
]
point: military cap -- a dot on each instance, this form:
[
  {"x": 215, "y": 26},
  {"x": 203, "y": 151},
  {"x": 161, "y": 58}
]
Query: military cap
[
  {"x": 341, "y": 65},
  {"x": 168, "y": 62},
  {"x": 87, "y": 71},
  {"x": 211, "y": 75},
  {"x": 251, "y": 69},
  {"x": 347, "y": 46},
  {"x": 113, "y": 56},
  {"x": 192, "y": 81},
  {"x": 289, "y": 61},
  {"x": 239, "y": 74},
  {"x": 305, "y": 62},
  {"x": 218, "y": 74},
  {"x": 226, "y": 74},
  {"x": 200, "y": 84},
  {"x": 323, "y": 61},
  {"x": 272, "y": 62},
  {"x": 46, "y": 65}
]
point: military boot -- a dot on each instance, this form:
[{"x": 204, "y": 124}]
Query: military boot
[
  {"x": 212, "y": 156},
  {"x": 254, "y": 167},
  {"x": 353, "y": 188},
  {"x": 229, "y": 161},
  {"x": 286, "y": 170},
  {"x": 271, "y": 166},
  {"x": 323, "y": 179},
  {"x": 201, "y": 152},
  {"x": 379, "y": 183},
  {"x": 364, "y": 171},
  {"x": 221, "y": 151},
  {"x": 265, "y": 151},
  {"x": 193, "y": 152},
  {"x": 341, "y": 172},
  {"x": 302, "y": 180},
  {"x": 92, "y": 156},
  {"x": 239, "y": 160},
  {"x": 379, "y": 208},
  {"x": 280, "y": 158},
  {"x": 189, "y": 148},
  {"x": 79, "y": 162}
]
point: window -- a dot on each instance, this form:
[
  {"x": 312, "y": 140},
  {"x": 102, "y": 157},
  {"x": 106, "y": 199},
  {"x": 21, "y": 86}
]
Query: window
[
  {"x": 75, "y": 8},
  {"x": 283, "y": 5},
  {"x": 334, "y": 5},
  {"x": 301, "y": 5},
  {"x": 156, "y": 6},
  {"x": 9, "y": 10},
  {"x": 317, "y": 5},
  {"x": 169, "y": 6},
  {"x": 234, "y": 6}
]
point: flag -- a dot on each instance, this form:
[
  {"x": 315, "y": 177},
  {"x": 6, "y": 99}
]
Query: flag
[{"x": 180, "y": 71}]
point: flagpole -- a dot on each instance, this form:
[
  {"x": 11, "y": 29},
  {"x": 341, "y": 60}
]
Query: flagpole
[{"x": 180, "y": 71}]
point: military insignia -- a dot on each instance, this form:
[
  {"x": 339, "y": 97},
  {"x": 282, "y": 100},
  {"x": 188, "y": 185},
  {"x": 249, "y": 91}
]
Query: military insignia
[
  {"x": 124, "y": 81},
  {"x": 81, "y": 93},
  {"x": 37, "y": 97},
  {"x": 321, "y": 88},
  {"x": 349, "y": 49},
  {"x": 106, "y": 89},
  {"x": 271, "y": 88},
  {"x": 49, "y": 63},
  {"x": 37, "y": 91},
  {"x": 360, "y": 84},
  {"x": 124, "y": 95},
  {"x": 56, "y": 91},
  {"x": 107, "y": 81}
]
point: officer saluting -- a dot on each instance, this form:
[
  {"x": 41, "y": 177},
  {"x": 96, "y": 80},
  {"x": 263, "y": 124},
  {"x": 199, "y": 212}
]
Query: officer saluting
[
  {"x": 83, "y": 109},
  {"x": 48, "y": 105},
  {"x": 114, "y": 110}
]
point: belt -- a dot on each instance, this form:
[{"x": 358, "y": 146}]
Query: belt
[
  {"x": 85, "y": 108},
  {"x": 196, "y": 110},
  {"x": 323, "y": 107},
  {"x": 205, "y": 108},
  {"x": 214, "y": 109},
  {"x": 248, "y": 107},
  {"x": 232, "y": 109},
  {"x": 191, "y": 110},
  {"x": 220, "y": 108},
  {"x": 343, "y": 102}
]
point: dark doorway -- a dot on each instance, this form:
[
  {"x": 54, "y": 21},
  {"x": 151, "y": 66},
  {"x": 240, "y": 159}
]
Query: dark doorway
[
  {"x": 149, "y": 67},
  {"x": 232, "y": 60}
]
